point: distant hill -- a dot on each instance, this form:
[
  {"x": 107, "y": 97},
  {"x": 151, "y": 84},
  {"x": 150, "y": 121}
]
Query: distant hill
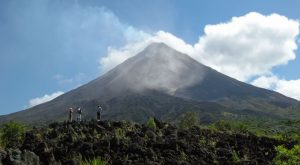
[{"x": 161, "y": 82}]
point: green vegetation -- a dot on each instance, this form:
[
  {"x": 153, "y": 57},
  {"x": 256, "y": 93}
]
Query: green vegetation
[
  {"x": 222, "y": 125},
  {"x": 286, "y": 156},
  {"x": 238, "y": 126},
  {"x": 12, "y": 134},
  {"x": 96, "y": 161},
  {"x": 188, "y": 120},
  {"x": 119, "y": 133},
  {"x": 285, "y": 130},
  {"x": 151, "y": 123},
  {"x": 281, "y": 130},
  {"x": 235, "y": 157}
]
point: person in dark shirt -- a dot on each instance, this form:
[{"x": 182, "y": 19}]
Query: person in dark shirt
[
  {"x": 99, "y": 110},
  {"x": 79, "y": 113}
]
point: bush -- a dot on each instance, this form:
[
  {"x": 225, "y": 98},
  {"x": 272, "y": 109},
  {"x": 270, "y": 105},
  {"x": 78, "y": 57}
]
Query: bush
[
  {"x": 240, "y": 127},
  {"x": 96, "y": 161},
  {"x": 188, "y": 120},
  {"x": 12, "y": 134},
  {"x": 151, "y": 123},
  {"x": 119, "y": 133},
  {"x": 286, "y": 156},
  {"x": 222, "y": 125}
]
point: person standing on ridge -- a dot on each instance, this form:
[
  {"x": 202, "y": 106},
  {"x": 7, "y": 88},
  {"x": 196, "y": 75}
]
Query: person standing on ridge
[
  {"x": 99, "y": 110},
  {"x": 71, "y": 114},
  {"x": 79, "y": 113}
]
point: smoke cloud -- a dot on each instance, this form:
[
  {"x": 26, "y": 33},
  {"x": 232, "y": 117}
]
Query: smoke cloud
[{"x": 160, "y": 68}]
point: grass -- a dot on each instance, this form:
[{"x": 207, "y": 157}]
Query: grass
[{"x": 96, "y": 161}]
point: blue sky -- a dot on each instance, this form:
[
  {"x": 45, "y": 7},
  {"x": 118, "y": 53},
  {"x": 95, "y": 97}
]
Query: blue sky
[{"x": 50, "y": 47}]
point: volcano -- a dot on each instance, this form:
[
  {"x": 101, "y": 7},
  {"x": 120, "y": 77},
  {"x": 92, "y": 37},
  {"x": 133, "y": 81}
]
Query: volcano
[{"x": 163, "y": 83}]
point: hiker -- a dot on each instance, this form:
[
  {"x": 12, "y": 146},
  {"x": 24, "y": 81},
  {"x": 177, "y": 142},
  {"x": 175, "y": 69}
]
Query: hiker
[
  {"x": 79, "y": 113},
  {"x": 99, "y": 110},
  {"x": 70, "y": 114}
]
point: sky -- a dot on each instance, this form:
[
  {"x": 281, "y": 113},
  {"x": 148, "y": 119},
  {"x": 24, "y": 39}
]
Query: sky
[{"x": 49, "y": 47}]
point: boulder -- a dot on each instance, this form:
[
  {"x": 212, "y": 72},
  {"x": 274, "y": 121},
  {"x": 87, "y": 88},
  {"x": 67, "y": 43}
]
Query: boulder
[{"x": 30, "y": 158}]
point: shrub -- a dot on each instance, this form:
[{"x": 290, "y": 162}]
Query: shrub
[
  {"x": 119, "y": 132},
  {"x": 287, "y": 157},
  {"x": 96, "y": 161},
  {"x": 222, "y": 125},
  {"x": 240, "y": 127},
  {"x": 12, "y": 134},
  {"x": 151, "y": 123},
  {"x": 235, "y": 157},
  {"x": 188, "y": 120}
]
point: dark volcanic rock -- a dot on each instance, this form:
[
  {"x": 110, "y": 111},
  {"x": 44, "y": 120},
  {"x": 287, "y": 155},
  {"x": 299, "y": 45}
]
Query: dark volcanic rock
[
  {"x": 129, "y": 143},
  {"x": 17, "y": 157}
]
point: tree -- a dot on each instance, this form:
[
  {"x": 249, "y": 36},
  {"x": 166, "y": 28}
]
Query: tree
[
  {"x": 151, "y": 123},
  {"x": 12, "y": 134},
  {"x": 188, "y": 120}
]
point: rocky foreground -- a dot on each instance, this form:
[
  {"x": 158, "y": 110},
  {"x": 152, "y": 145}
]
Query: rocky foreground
[{"x": 131, "y": 143}]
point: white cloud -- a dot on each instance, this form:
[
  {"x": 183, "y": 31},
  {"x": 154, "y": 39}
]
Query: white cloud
[
  {"x": 289, "y": 88},
  {"x": 268, "y": 82},
  {"x": 43, "y": 99},
  {"x": 249, "y": 45}
]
